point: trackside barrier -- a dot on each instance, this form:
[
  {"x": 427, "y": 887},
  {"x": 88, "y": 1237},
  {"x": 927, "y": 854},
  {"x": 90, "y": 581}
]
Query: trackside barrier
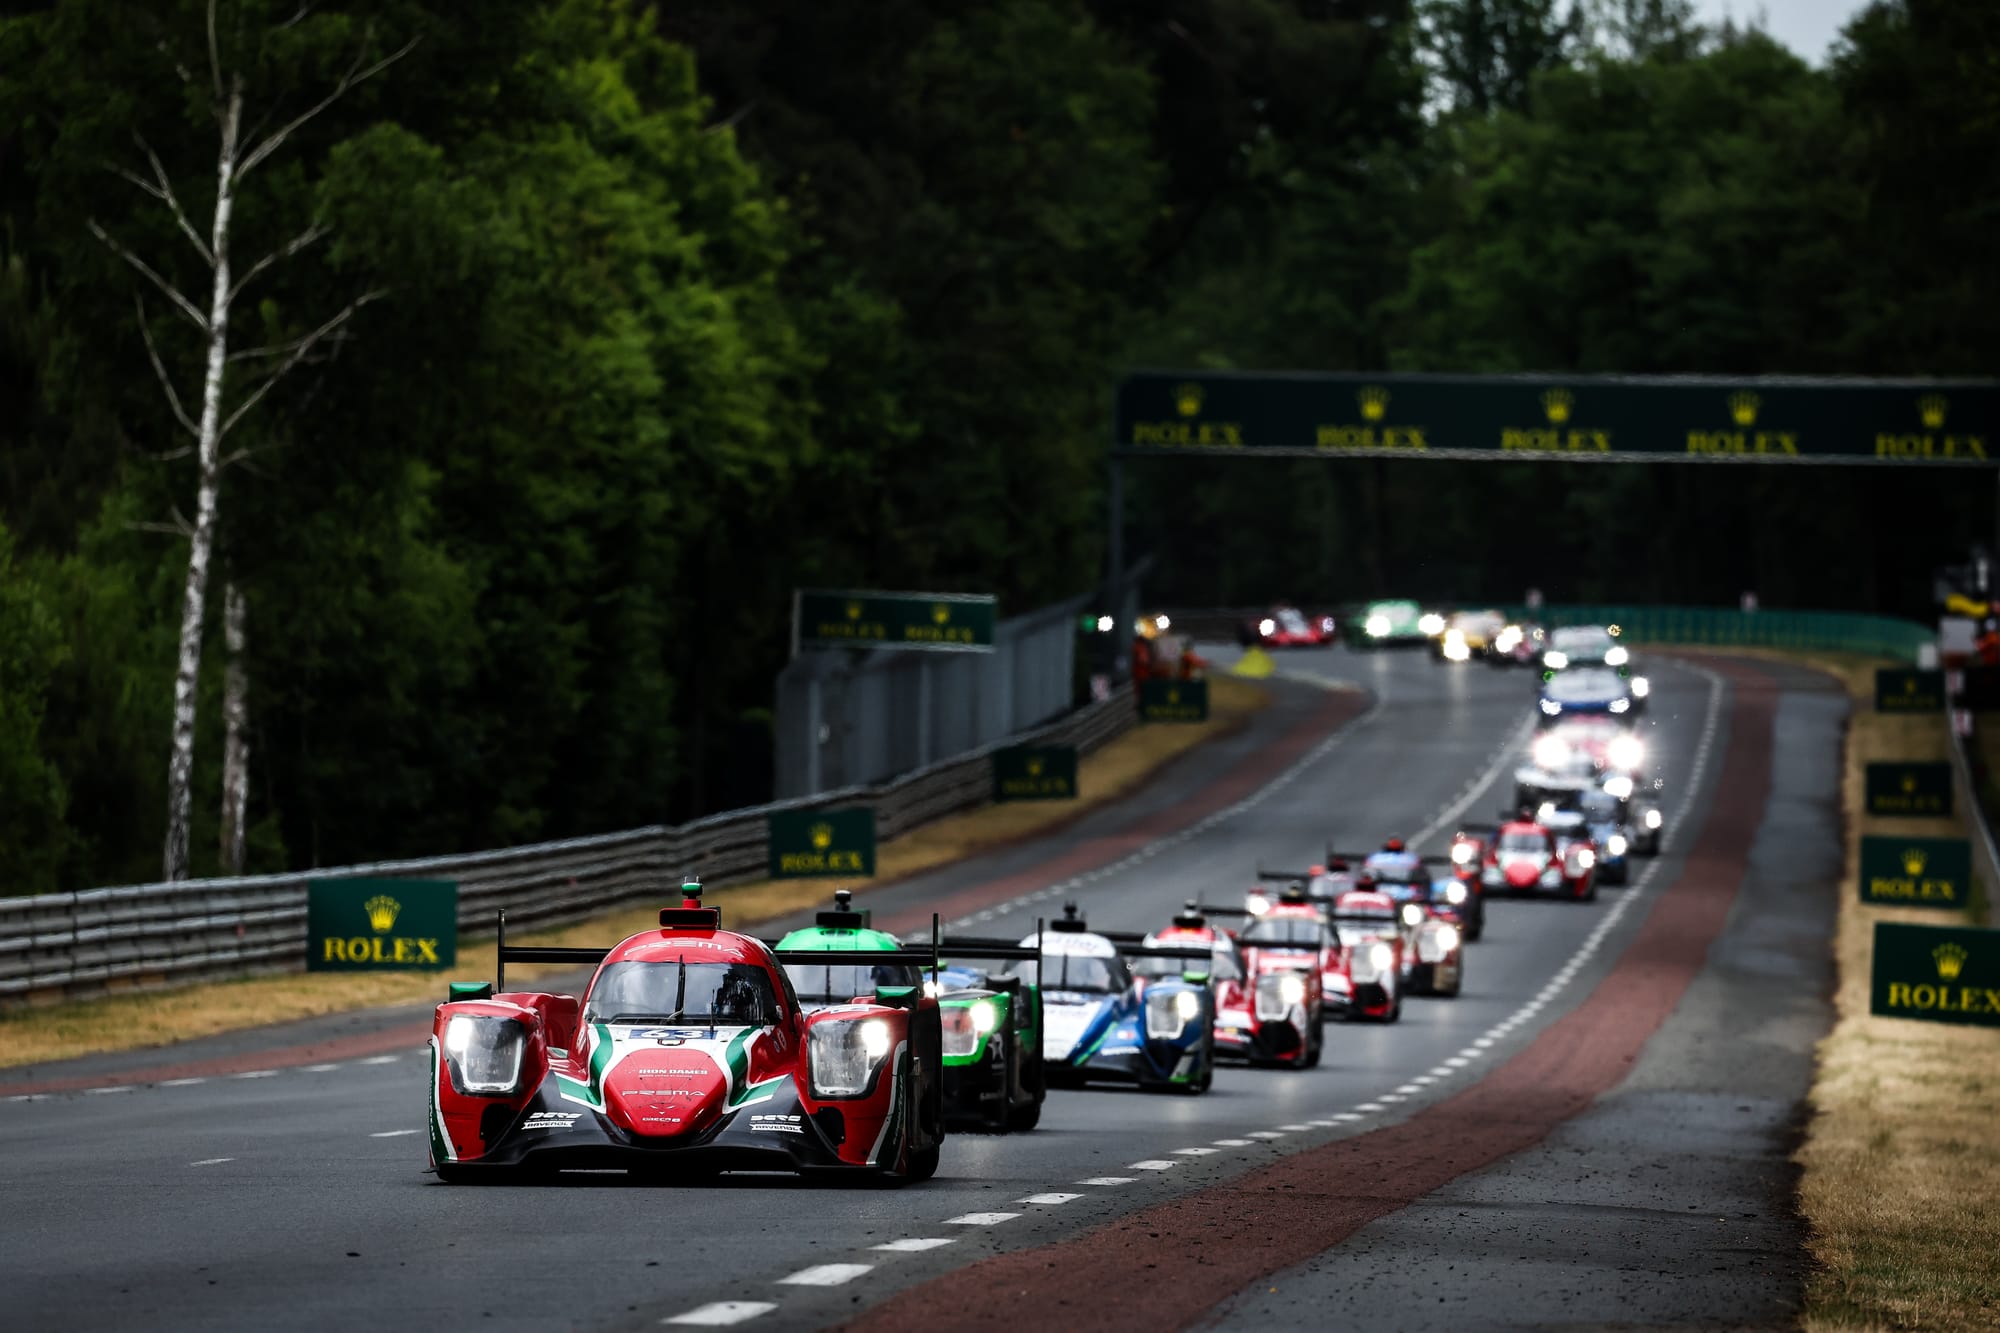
[{"x": 62, "y": 945}]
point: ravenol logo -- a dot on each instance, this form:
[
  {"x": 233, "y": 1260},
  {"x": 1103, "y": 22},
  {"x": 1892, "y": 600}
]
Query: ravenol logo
[
  {"x": 1557, "y": 404},
  {"x": 821, "y": 835},
  {"x": 940, "y": 613},
  {"x": 382, "y": 912},
  {"x": 1187, "y": 399},
  {"x": 1743, "y": 407},
  {"x": 1950, "y": 961},
  {"x": 1931, "y": 408},
  {"x": 1914, "y": 861},
  {"x": 1374, "y": 403}
]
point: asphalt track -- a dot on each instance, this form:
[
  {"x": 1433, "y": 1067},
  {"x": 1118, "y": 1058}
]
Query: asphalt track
[{"x": 271, "y": 1192}]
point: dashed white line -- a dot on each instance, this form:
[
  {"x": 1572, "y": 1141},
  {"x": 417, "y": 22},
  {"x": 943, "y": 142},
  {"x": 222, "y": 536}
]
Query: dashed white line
[
  {"x": 720, "y": 1314},
  {"x": 99, "y": 1092},
  {"x": 1153, "y": 1164},
  {"x": 29, "y": 1097},
  {"x": 980, "y": 1219},
  {"x": 1052, "y": 1197},
  {"x": 380, "y": 1060},
  {"x": 1194, "y": 1152},
  {"x": 1265, "y": 1134},
  {"x": 1294, "y": 1129},
  {"x": 212, "y": 1161},
  {"x": 1407, "y": 1089},
  {"x": 318, "y": 1069},
  {"x": 393, "y": 1133},
  {"x": 914, "y": 1244},
  {"x": 1108, "y": 1180},
  {"x": 1349, "y": 1115},
  {"x": 180, "y": 1082},
  {"x": 825, "y": 1275},
  {"x": 255, "y": 1073},
  {"x": 1234, "y": 1143}
]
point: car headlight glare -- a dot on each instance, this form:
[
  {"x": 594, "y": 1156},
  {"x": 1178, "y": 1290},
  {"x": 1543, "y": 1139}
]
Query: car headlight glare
[
  {"x": 1162, "y": 621},
  {"x": 1169, "y": 1012},
  {"x": 1382, "y": 956},
  {"x": 1615, "y": 844},
  {"x": 1551, "y": 707},
  {"x": 1616, "y": 656},
  {"x": 1413, "y": 914},
  {"x": 1376, "y": 626},
  {"x": 1554, "y": 660},
  {"x": 1462, "y": 853},
  {"x": 1550, "y": 752},
  {"x": 1267, "y": 626},
  {"x": 484, "y": 1051},
  {"x": 1652, "y": 819},
  {"x": 1626, "y": 752},
  {"x": 1620, "y": 705},
  {"x": 1431, "y": 623},
  {"x": 1257, "y": 904},
  {"x": 1456, "y": 893},
  {"x": 1585, "y": 858},
  {"x": 1618, "y": 788},
  {"x": 1641, "y": 687},
  {"x": 1293, "y": 989},
  {"x": 843, "y": 1057},
  {"x": 984, "y": 1019},
  {"x": 1447, "y": 937}
]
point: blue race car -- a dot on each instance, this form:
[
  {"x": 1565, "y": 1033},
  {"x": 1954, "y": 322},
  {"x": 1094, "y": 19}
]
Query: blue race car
[
  {"x": 1100, "y": 1023},
  {"x": 1582, "y": 691},
  {"x": 1604, "y": 817}
]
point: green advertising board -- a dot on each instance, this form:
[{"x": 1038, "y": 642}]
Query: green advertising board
[
  {"x": 1573, "y": 417},
  {"x": 1899, "y": 690},
  {"x": 815, "y": 844},
  {"x": 1916, "y": 872},
  {"x": 1173, "y": 700},
  {"x": 1939, "y": 974},
  {"x": 374, "y": 925},
  {"x": 1034, "y": 773},
  {"x": 931, "y": 621},
  {"x": 1921, "y": 790}
]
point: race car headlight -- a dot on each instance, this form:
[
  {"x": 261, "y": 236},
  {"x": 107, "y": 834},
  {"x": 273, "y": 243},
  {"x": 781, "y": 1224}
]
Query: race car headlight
[
  {"x": 1652, "y": 819},
  {"x": 1376, "y": 626},
  {"x": 1554, "y": 660},
  {"x": 1337, "y": 981},
  {"x": 1508, "y": 639},
  {"x": 1256, "y": 904},
  {"x": 1641, "y": 687},
  {"x": 1616, "y": 656},
  {"x": 484, "y": 1052},
  {"x": 1550, "y": 752},
  {"x": 1618, "y": 788},
  {"x": 1382, "y": 956},
  {"x": 985, "y": 1017},
  {"x": 1169, "y": 1012},
  {"x": 844, "y": 1056},
  {"x": 1626, "y": 752},
  {"x": 1585, "y": 858},
  {"x": 1620, "y": 705},
  {"x": 1267, "y": 626},
  {"x": 1545, "y": 812},
  {"x": 1413, "y": 914},
  {"x": 1456, "y": 893},
  {"x": 1455, "y": 650},
  {"x": 965, "y": 1025},
  {"x": 1615, "y": 844},
  {"x": 1551, "y": 707},
  {"x": 1447, "y": 937},
  {"x": 1462, "y": 853},
  {"x": 1552, "y": 877},
  {"x": 1491, "y": 875},
  {"x": 1162, "y": 621},
  {"x": 1430, "y": 623},
  {"x": 1277, "y": 993}
]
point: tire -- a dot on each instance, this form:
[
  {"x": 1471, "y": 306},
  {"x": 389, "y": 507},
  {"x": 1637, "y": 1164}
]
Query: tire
[
  {"x": 923, "y": 1164},
  {"x": 1314, "y": 1048},
  {"x": 1021, "y": 1119}
]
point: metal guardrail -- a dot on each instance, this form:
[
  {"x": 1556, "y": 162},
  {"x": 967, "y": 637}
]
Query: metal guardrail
[{"x": 61, "y": 945}]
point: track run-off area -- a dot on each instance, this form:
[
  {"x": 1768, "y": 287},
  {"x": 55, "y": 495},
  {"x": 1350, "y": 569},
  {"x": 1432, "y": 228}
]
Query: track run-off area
[{"x": 1596, "y": 1130}]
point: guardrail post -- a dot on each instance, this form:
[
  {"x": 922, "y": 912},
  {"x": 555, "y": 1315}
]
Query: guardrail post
[{"x": 813, "y": 728}]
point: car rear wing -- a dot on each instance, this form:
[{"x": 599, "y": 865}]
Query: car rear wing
[
  {"x": 1361, "y": 858},
  {"x": 521, "y": 953},
  {"x": 1476, "y": 830}
]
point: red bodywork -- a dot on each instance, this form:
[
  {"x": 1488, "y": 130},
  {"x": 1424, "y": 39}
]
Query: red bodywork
[
  {"x": 1363, "y": 919},
  {"x": 1252, "y": 1022},
  {"x": 1526, "y": 870},
  {"x": 1293, "y": 628},
  {"x": 622, "y": 1093}
]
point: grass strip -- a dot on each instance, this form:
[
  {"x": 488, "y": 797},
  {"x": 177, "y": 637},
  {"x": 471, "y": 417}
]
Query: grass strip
[{"x": 33, "y": 1035}]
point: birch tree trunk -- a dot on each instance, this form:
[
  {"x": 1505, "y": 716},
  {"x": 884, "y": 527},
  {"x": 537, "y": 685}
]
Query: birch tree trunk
[
  {"x": 201, "y": 542},
  {"x": 236, "y": 738}
]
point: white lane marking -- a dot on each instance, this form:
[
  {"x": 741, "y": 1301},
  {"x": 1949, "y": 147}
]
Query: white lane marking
[
  {"x": 719, "y": 1314},
  {"x": 381, "y": 1060},
  {"x": 1108, "y": 1180},
  {"x": 1368, "y": 1106},
  {"x": 1423, "y": 1079},
  {"x": 29, "y": 1097},
  {"x": 1320, "y": 1124},
  {"x": 1194, "y": 1152},
  {"x": 1390, "y": 1097},
  {"x": 1503, "y": 758},
  {"x": 1407, "y": 1089},
  {"x": 1052, "y": 1197},
  {"x": 180, "y": 1082},
  {"x": 212, "y": 1161},
  {"x": 1152, "y": 1164},
  {"x": 980, "y": 1219},
  {"x": 1348, "y": 1115},
  {"x": 255, "y": 1073},
  {"x": 825, "y": 1275},
  {"x": 99, "y": 1092},
  {"x": 393, "y": 1133},
  {"x": 1234, "y": 1143},
  {"x": 1295, "y": 1129},
  {"x": 319, "y": 1069},
  {"x": 1143, "y": 854},
  {"x": 914, "y": 1244},
  {"x": 1265, "y": 1134}
]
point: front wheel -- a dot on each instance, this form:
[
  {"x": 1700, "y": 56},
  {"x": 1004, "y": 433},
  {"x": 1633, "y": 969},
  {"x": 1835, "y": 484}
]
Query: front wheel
[
  {"x": 1024, "y": 1118},
  {"x": 923, "y": 1164}
]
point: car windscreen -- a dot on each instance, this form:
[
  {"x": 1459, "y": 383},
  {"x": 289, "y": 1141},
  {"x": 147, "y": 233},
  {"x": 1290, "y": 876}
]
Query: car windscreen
[
  {"x": 715, "y": 994},
  {"x": 1292, "y": 622},
  {"x": 1363, "y": 923},
  {"x": 1222, "y": 965},
  {"x": 1399, "y": 872},
  {"x": 1077, "y": 972},
  {"x": 1285, "y": 931},
  {"x": 1581, "y": 641},
  {"x": 837, "y": 983},
  {"x": 1523, "y": 842}
]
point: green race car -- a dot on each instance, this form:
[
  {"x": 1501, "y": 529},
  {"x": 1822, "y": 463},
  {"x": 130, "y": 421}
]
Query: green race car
[
  {"x": 993, "y": 1076},
  {"x": 1383, "y": 623}
]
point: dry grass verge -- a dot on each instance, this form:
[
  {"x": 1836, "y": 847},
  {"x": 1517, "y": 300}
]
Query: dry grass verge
[
  {"x": 1901, "y": 1164},
  {"x": 129, "y": 1022}
]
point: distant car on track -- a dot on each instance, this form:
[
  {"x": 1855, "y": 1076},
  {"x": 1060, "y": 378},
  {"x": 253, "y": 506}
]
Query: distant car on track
[
  {"x": 1285, "y": 626},
  {"x": 1582, "y": 691},
  {"x": 1525, "y": 857},
  {"x": 688, "y": 1053},
  {"x": 1386, "y": 624},
  {"x": 1268, "y": 1009}
]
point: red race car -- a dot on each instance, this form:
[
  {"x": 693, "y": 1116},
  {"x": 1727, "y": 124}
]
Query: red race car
[
  {"x": 687, "y": 1054},
  {"x": 1288, "y": 627},
  {"x": 1524, "y": 856},
  {"x": 1268, "y": 1008},
  {"x": 1357, "y": 937}
]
